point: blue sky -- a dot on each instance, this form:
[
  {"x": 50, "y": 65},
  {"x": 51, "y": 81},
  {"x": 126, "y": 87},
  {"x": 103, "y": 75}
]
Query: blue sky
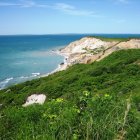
[{"x": 69, "y": 16}]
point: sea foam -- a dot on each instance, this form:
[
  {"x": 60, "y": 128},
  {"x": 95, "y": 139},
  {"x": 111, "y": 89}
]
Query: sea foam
[
  {"x": 5, "y": 82},
  {"x": 35, "y": 74}
]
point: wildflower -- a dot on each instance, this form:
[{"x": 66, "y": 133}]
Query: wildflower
[
  {"x": 52, "y": 116},
  {"x": 77, "y": 110},
  {"x": 107, "y": 95},
  {"x": 86, "y": 93},
  {"x": 59, "y": 100}
]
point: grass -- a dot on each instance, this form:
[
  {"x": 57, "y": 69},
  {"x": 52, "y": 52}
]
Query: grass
[
  {"x": 112, "y": 39},
  {"x": 98, "y": 101}
]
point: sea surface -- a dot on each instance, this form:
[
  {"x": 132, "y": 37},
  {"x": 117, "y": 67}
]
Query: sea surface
[{"x": 25, "y": 57}]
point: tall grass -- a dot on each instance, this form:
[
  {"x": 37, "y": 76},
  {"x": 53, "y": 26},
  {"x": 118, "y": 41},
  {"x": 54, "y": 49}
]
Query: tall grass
[{"x": 98, "y": 101}]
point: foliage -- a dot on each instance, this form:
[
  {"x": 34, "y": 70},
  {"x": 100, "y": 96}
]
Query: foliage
[
  {"x": 98, "y": 101},
  {"x": 108, "y": 39}
]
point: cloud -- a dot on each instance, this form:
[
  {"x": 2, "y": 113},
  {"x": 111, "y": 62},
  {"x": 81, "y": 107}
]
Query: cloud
[
  {"x": 30, "y": 3},
  {"x": 8, "y": 4},
  {"x": 23, "y": 3},
  {"x": 62, "y": 7},
  {"x": 27, "y": 3},
  {"x": 123, "y": 1},
  {"x": 71, "y": 10}
]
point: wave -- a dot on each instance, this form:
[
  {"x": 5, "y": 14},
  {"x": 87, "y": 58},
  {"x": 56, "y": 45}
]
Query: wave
[
  {"x": 24, "y": 77},
  {"x": 35, "y": 74},
  {"x": 5, "y": 82},
  {"x": 11, "y": 81}
]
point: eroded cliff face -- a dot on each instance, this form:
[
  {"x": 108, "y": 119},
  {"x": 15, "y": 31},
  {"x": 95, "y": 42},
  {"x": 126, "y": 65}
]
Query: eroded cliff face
[
  {"x": 132, "y": 43},
  {"x": 90, "y": 49},
  {"x": 85, "y": 44}
]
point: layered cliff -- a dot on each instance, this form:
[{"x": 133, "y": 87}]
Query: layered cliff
[{"x": 90, "y": 49}]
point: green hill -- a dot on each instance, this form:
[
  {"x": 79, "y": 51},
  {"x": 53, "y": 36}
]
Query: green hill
[{"x": 98, "y": 101}]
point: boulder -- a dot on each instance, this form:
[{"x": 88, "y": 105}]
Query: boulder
[{"x": 35, "y": 99}]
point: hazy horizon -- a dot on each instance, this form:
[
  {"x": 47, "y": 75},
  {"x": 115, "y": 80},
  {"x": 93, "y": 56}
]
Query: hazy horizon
[{"x": 72, "y": 34}]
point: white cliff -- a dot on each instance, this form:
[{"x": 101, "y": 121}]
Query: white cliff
[{"x": 90, "y": 49}]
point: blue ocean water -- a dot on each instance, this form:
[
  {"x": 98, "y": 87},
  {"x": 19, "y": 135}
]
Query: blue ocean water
[{"x": 25, "y": 57}]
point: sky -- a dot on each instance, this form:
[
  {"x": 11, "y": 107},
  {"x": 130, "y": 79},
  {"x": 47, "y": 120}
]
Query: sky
[{"x": 69, "y": 16}]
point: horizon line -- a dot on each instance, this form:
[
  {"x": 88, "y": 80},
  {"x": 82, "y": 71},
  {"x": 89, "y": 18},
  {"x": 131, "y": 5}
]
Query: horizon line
[{"x": 66, "y": 34}]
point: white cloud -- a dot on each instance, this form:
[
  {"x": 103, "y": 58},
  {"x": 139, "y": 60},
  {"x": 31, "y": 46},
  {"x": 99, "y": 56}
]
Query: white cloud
[
  {"x": 28, "y": 3},
  {"x": 23, "y": 3},
  {"x": 8, "y": 4},
  {"x": 71, "y": 10},
  {"x": 63, "y": 7}
]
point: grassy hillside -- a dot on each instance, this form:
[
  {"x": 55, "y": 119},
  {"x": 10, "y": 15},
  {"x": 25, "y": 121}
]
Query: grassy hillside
[
  {"x": 98, "y": 101},
  {"x": 112, "y": 39}
]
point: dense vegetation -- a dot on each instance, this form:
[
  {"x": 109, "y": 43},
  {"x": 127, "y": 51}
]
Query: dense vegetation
[
  {"x": 98, "y": 101},
  {"x": 112, "y": 39}
]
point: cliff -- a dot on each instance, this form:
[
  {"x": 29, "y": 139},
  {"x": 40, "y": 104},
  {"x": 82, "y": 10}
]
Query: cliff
[{"x": 90, "y": 49}]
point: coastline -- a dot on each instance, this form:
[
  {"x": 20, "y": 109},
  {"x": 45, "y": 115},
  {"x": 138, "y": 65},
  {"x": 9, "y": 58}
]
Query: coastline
[
  {"x": 90, "y": 49},
  {"x": 5, "y": 83},
  {"x": 61, "y": 66},
  {"x": 86, "y": 50}
]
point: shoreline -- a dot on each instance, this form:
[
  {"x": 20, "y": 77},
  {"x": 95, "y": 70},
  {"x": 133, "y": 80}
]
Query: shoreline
[
  {"x": 37, "y": 75},
  {"x": 62, "y": 66},
  {"x": 86, "y": 50},
  {"x": 75, "y": 52}
]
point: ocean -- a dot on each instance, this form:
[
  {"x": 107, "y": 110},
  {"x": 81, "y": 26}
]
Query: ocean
[{"x": 25, "y": 57}]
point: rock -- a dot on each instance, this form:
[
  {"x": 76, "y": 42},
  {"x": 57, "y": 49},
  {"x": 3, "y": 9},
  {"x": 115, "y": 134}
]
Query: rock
[
  {"x": 62, "y": 63},
  {"x": 7, "y": 91},
  {"x": 35, "y": 99}
]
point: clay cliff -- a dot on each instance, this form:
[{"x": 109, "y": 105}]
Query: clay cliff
[{"x": 90, "y": 49}]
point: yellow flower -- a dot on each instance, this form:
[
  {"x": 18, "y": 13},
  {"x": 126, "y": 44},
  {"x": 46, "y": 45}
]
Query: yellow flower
[
  {"x": 86, "y": 93},
  {"x": 78, "y": 111},
  {"x": 107, "y": 95},
  {"x": 59, "y": 100},
  {"x": 52, "y": 116}
]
